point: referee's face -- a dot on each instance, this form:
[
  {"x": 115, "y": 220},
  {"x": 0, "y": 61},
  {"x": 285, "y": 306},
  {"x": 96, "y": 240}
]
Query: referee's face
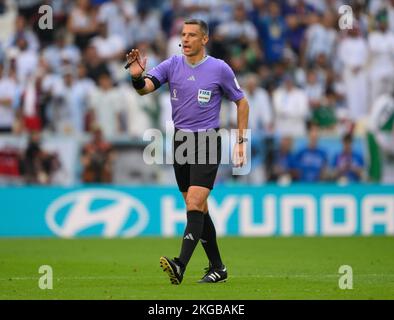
[{"x": 193, "y": 40}]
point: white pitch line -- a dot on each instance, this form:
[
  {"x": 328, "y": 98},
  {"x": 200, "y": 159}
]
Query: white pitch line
[
  {"x": 68, "y": 278},
  {"x": 310, "y": 275},
  {"x": 315, "y": 276}
]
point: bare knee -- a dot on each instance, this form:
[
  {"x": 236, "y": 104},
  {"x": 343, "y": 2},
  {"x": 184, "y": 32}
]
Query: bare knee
[{"x": 194, "y": 203}]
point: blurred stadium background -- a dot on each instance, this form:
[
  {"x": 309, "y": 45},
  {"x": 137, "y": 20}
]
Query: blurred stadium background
[{"x": 321, "y": 113}]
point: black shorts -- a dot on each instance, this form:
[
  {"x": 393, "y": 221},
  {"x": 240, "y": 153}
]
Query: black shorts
[{"x": 196, "y": 158}]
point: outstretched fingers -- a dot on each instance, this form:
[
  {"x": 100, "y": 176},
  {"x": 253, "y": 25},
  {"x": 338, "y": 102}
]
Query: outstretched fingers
[{"x": 135, "y": 56}]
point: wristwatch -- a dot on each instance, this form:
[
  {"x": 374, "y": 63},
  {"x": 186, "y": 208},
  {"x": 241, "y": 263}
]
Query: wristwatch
[{"x": 242, "y": 140}]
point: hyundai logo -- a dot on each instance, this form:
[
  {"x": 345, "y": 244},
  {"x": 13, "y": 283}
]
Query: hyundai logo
[{"x": 73, "y": 213}]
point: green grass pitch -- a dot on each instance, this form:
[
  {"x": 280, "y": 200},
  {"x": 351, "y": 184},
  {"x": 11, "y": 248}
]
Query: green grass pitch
[{"x": 259, "y": 268}]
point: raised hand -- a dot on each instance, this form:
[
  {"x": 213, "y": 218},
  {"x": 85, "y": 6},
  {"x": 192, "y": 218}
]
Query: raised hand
[{"x": 137, "y": 63}]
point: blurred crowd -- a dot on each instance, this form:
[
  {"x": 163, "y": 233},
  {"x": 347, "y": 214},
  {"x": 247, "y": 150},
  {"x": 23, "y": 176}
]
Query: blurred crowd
[{"x": 299, "y": 70}]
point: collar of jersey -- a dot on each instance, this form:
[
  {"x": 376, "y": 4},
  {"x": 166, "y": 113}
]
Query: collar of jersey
[{"x": 197, "y": 64}]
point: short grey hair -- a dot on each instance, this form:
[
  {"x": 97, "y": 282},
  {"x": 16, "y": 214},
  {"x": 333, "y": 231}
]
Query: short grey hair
[{"x": 203, "y": 25}]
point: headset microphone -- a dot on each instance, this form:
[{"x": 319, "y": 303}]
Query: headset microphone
[{"x": 180, "y": 45}]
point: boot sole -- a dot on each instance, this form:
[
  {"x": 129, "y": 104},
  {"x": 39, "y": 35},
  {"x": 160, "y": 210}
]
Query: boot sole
[{"x": 165, "y": 265}]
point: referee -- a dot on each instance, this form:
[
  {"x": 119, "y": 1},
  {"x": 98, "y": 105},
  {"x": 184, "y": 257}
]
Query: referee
[{"x": 197, "y": 84}]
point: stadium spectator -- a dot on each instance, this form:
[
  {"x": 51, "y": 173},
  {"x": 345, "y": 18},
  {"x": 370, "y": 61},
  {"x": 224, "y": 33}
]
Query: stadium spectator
[
  {"x": 381, "y": 46},
  {"x": 320, "y": 37},
  {"x": 50, "y": 84},
  {"x": 145, "y": 28},
  {"x": 32, "y": 104},
  {"x": 353, "y": 54},
  {"x": 94, "y": 64},
  {"x": 261, "y": 113},
  {"x": 84, "y": 86},
  {"x": 175, "y": 38},
  {"x": 257, "y": 11},
  {"x": 322, "y": 68},
  {"x": 361, "y": 18},
  {"x": 97, "y": 160},
  {"x": 61, "y": 52},
  {"x": 283, "y": 163},
  {"x": 297, "y": 14},
  {"x": 28, "y": 9},
  {"x": 267, "y": 79},
  {"x": 38, "y": 165},
  {"x": 313, "y": 89},
  {"x": 291, "y": 108},
  {"x": 82, "y": 23},
  {"x": 311, "y": 161},
  {"x": 324, "y": 113},
  {"x": 380, "y": 139},
  {"x": 117, "y": 14},
  {"x": 140, "y": 113},
  {"x": 240, "y": 40},
  {"x": 238, "y": 29},
  {"x": 22, "y": 30},
  {"x": 172, "y": 11},
  {"x": 9, "y": 90},
  {"x": 198, "y": 9},
  {"x": 110, "y": 47},
  {"x": 272, "y": 34},
  {"x": 348, "y": 165},
  {"x": 151, "y": 52},
  {"x": 72, "y": 95},
  {"x": 26, "y": 60},
  {"x": 261, "y": 123},
  {"x": 108, "y": 105},
  {"x": 61, "y": 11}
]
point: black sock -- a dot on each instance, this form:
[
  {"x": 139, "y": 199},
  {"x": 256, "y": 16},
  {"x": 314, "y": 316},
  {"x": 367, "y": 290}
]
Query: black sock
[
  {"x": 208, "y": 241},
  {"x": 193, "y": 231}
]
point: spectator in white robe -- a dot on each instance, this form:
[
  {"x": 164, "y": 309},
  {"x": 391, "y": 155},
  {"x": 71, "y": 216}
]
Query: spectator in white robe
[
  {"x": 291, "y": 109},
  {"x": 381, "y": 46},
  {"x": 353, "y": 54}
]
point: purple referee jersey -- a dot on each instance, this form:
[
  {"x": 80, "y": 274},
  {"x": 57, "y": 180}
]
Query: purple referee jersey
[{"x": 197, "y": 90}]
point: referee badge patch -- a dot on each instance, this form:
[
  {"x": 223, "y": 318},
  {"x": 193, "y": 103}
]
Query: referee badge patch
[{"x": 204, "y": 96}]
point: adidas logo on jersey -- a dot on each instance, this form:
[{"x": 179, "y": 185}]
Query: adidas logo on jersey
[
  {"x": 189, "y": 236},
  {"x": 191, "y": 78}
]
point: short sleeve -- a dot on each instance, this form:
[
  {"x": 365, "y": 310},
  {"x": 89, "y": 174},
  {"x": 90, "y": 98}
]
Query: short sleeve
[
  {"x": 229, "y": 84},
  {"x": 161, "y": 71}
]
